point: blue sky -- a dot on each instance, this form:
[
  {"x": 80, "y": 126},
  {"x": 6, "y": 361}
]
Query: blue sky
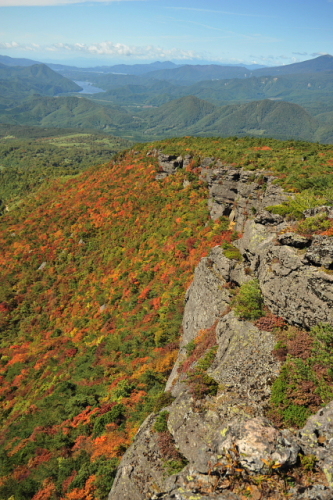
[{"x": 131, "y": 31}]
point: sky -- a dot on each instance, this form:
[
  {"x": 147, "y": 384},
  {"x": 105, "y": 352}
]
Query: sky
[{"x": 95, "y": 32}]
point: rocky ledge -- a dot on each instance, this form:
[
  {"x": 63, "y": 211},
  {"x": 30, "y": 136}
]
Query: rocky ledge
[{"x": 219, "y": 443}]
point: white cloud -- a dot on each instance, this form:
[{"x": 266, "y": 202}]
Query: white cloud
[
  {"x": 9, "y": 45},
  {"x": 108, "y": 49},
  {"x": 46, "y": 3}
]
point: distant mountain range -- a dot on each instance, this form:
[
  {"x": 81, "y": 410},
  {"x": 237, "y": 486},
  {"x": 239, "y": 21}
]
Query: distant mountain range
[
  {"x": 129, "y": 69},
  {"x": 15, "y": 61},
  {"x": 321, "y": 63},
  {"x": 163, "y": 99},
  {"x": 190, "y": 74}
]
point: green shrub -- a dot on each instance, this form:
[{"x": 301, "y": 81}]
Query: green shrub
[
  {"x": 174, "y": 466},
  {"x": 231, "y": 252},
  {"x": 248, "y": 303},
  {"x": 162, "y": 400},
  {"x": 117, "y": 415},
  {"x": 296, "y": 205},
  {"x": 308, "y": 462},
  {"x": 201, "y": 384},
  {"x": 190, "y": 347},
  {"x": 318, "y": 222},
  {"x": 296, "y": 415},
  {"x": 305, "y": 381},
  {"x": 161, "y": 422}
]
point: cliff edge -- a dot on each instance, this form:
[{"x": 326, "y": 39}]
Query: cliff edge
[{"x": 217, "y": 436}]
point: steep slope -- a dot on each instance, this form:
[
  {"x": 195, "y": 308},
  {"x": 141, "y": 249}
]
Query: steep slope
[
  {"x": 214, "y": 440},
  {"x": 93, "y": 276}
]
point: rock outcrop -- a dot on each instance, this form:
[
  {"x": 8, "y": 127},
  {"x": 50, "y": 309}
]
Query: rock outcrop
[{"x": 217, "y": 443}]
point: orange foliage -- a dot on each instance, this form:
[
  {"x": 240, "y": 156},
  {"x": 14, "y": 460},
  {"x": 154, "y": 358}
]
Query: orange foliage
[
  {"x": 86, "y": 493},
  {"x": 110, "y": 445},
  {"x": 165, "y": 364},
  {"x": 47, "y": 491}
]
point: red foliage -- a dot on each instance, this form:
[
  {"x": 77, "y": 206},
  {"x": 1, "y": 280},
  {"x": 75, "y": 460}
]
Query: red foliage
[
  {"x": 205, "y": 340},
  {"x": 270, "y": 322}
]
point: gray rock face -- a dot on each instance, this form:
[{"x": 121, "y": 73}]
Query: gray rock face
[
  {"x": 205, "y": 301},
  {"x": 259, "y": 444},
  {"x": 170, "y": 163},
  {"x": 317, "y": 438},
  {"x": 182, "y": 494},
  {"x": 265, "y": 217},
  {"x": 231, "y": 426},
  {"x": 293, "y": 240},
  {"x": 321, "y": 252},
  {"x": 292, "y": 288},
  {"x": 324, "y": 209},
  {"x": 238, "y": 193},
  {"x": 141, "y": 473},
  {"x": 241, "y": 347}
]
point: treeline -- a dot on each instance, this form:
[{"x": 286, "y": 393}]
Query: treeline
[{"x": 27, "y": 163}]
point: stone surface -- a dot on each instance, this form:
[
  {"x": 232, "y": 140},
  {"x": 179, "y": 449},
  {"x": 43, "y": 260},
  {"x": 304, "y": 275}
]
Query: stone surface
[
  {"x": 321, "y": 252},
  {"x": 241, "y": 347},
  {"x": 239, "y": 193},
  {"x": 317, "y": 438},
  {"x": 194, "y": 429},
  {"x": 141, "y": 473},
  {"x": 294, "y": 240},
  {"x": 259, "y": 445},
  {"x": 170, "y": 163},
  {"x": 324, "y": 209},
  {"x": 205, "y": 301},
  {"x": 265, "y": 217},
  {"x": 292, "y": 287},
  {"x": 182, "y": 494}
]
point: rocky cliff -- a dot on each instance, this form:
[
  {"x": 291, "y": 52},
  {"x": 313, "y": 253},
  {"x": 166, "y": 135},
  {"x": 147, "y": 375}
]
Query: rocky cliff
[{"x": 214, "y": 438}]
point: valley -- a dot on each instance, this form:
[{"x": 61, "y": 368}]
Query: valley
[{"x": 295, "y": 101}]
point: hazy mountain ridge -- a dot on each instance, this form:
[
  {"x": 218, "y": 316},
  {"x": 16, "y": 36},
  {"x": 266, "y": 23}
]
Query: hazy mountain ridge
[{"x": 318, "y": 64}]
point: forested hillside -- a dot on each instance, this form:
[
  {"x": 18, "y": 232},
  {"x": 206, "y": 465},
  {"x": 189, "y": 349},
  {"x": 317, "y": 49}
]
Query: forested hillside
[
  {"x": 18, "y": 83},
  {"x": 93, "y": 277},
  {"x": 94, "y": 272},
  {"x": 31, "y": 156}
]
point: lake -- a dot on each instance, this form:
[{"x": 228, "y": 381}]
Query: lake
[{"x": 88, "y": 88}]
